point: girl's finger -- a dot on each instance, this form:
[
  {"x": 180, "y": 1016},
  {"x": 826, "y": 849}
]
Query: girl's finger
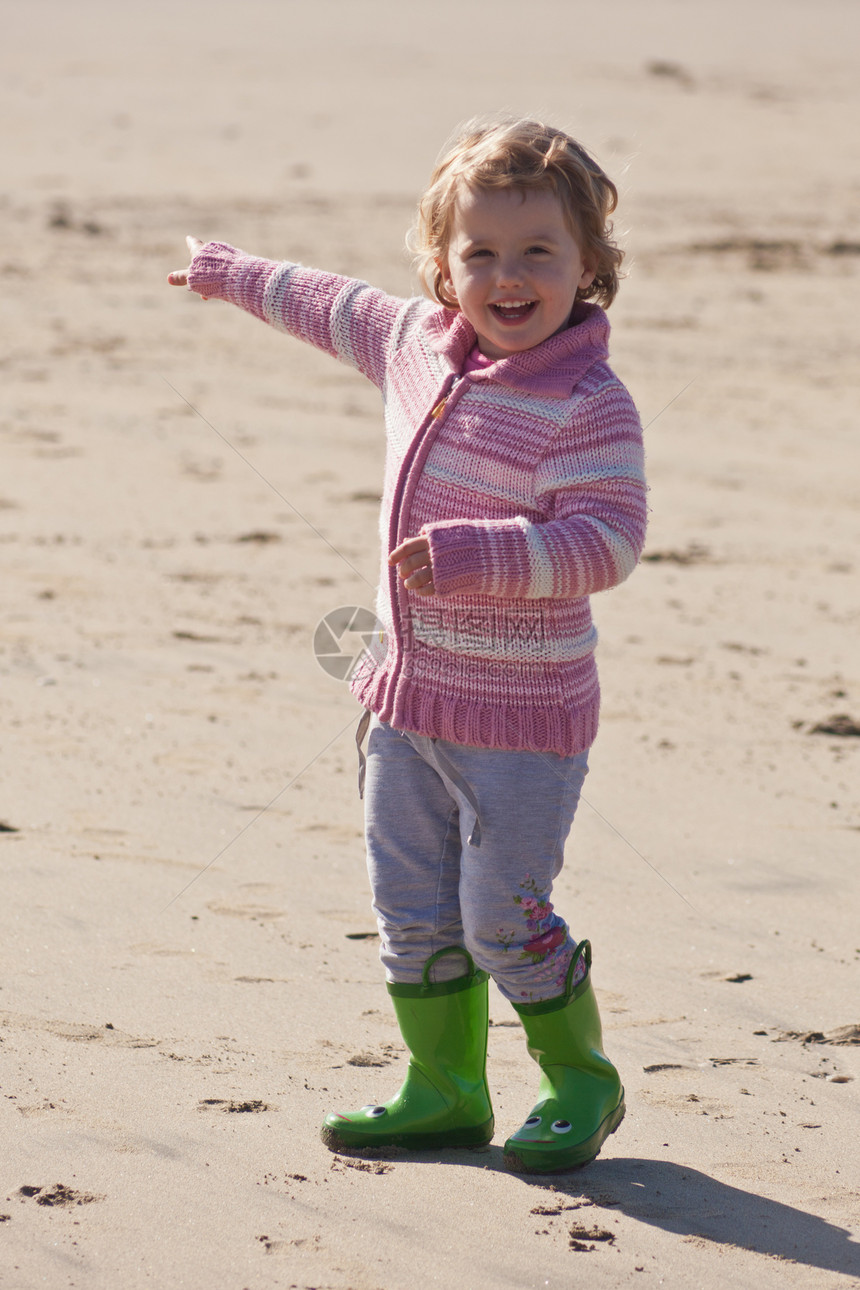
[
  {"x": 408, "y": 548},
  {"x": 413, "y": 563},
  {"x": 193, "y": 243},
  {"x": 422, "y": 580}
]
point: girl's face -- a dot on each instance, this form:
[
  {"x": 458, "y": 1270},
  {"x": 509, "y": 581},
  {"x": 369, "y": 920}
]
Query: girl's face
[{"x": 514, "y": 267}]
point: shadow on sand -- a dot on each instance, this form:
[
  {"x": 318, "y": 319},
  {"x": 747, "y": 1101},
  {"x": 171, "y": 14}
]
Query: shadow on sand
[
  {"x": 683, "y": 1200},
  {"x": 679, "y": 1199}
]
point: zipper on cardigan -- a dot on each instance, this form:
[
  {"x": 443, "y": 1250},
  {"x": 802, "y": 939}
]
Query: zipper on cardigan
[{"x": 395, "y": 516}]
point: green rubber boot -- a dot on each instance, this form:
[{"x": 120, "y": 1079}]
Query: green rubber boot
[
  {"x": 581, "y": 1098},
  {"x": 445, "y": 1099}
]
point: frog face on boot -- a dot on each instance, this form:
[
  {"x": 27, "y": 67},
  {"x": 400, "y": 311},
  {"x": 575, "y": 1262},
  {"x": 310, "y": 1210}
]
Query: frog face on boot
[{"x": 537, "y": 1127}]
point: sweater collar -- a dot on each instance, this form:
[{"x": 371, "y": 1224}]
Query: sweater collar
[{"x": 552, "y": 368}]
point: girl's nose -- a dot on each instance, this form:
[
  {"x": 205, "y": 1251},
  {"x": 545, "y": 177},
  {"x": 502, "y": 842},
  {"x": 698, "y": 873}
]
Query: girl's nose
[{"x": 509, "y": 272}]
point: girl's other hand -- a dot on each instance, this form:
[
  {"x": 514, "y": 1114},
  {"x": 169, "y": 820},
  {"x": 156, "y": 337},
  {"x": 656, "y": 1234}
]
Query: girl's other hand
[
  {"x": 179, "y": 278},
  {"x": 414, "y": 565}
]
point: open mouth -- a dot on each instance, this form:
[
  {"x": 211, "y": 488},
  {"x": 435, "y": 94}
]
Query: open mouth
[{"x": 515, "y": 310}]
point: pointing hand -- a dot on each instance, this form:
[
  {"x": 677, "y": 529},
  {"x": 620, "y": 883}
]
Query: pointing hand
[{"x": 179, "y": 278}]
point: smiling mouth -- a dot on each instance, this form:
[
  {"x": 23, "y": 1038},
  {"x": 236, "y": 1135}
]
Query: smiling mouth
[{"x": 515, "y": 310}]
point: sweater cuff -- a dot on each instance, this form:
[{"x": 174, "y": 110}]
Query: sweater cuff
[
  {"x": 478, "y": 559},
  {"x": 217, "y": 270}
]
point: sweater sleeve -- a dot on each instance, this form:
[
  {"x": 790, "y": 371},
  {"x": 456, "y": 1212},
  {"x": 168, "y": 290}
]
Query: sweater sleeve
[
  {"x": 591, "y": 484},
  {"x": 343, "y": 317}
]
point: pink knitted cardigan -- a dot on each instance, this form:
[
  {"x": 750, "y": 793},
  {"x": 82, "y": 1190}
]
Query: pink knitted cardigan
[{"x": 527, "y": 477}]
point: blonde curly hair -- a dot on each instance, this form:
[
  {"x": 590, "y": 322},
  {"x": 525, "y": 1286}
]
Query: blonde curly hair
[{"x": 527, "y": 156}]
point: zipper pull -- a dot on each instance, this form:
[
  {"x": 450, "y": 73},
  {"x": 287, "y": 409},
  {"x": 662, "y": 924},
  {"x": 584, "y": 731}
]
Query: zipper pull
[{"x": 439, "y": 408}]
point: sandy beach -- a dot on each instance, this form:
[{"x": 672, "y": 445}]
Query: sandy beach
[{"x": 190, "y": 975}]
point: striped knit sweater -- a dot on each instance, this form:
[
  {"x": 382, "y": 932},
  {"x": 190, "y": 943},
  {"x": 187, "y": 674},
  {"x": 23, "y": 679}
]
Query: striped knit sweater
[{"x": 526, "y": 476}]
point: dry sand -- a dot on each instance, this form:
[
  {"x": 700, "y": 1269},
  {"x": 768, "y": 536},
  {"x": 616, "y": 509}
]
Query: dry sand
[{"x": 190, "y": 976}]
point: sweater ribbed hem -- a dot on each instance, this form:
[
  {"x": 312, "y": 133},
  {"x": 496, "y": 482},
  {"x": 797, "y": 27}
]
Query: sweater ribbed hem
[{"x": 504, "y": 727}]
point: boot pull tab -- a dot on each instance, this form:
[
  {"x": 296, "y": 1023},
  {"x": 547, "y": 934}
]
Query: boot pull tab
[{"x": 469, "y": 975}]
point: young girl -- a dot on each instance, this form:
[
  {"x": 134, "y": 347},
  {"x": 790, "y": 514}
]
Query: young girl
[{"x": 513, "y": 489}]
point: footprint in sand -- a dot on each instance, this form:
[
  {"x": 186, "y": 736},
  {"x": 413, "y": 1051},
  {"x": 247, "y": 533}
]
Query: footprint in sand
[
  {"x": 58, "y": 1195},
  {"x": 252, "y": 1107}
]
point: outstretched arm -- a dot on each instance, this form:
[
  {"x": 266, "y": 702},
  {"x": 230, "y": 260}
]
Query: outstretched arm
[{"x": 343, "y": 317}]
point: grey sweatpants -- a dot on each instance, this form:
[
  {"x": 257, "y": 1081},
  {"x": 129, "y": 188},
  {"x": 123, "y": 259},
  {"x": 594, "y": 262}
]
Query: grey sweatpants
[{"x": 463, "y": 845}]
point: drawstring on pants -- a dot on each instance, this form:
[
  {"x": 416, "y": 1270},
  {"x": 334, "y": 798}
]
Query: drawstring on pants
[{"x": 445, "y": 763}]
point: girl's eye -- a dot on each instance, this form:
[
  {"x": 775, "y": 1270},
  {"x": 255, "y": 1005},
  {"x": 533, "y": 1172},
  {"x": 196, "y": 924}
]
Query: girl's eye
[{"x": 538, "y": 250}]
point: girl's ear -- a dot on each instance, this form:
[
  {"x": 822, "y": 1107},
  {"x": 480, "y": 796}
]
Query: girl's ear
[
  {"x": 445, "y": 278},
  {"x": 587, "y": 277}
]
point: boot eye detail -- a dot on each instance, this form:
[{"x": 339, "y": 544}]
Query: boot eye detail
[
  {"x": 532, "y": 1122},
  {"x": 374, "y": 1112},
  {"x": 561, "y": 1126}
]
